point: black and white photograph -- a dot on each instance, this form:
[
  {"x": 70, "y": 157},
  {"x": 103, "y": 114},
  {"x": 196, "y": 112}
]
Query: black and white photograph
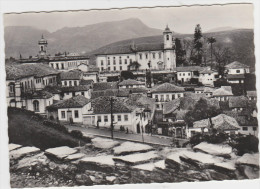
[{"x": 136, "y": 95}]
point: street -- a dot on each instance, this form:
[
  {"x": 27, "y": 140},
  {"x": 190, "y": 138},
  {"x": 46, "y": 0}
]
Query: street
[{"x": 155, "y": 139}]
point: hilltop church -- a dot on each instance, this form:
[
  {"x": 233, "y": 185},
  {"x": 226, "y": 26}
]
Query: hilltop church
[{"x": 155, "y": 56}]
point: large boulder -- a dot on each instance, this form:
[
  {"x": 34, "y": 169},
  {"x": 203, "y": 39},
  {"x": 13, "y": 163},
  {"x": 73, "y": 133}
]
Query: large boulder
[
  {"x": 83, "y": 179},
  {"x": 200, "y": 159},
  {"x": 104, "y": 163},
  {"x": 60, "y": 152},
  {"x": 173, "y": 159},
  {"x": 214, "y": 149},
  {"x": 137, "y": 158},
  {"x": 104, "y": 143},
  {"x": 131, "y": 147},
  {"x": 74, "y": 157},
  {"x": 24, "y": 151},
  {"x": 38, "y": 159},
  {"x": 249, "y": 159},
  {"x": 251, "y": 172},
  {"x": 14, "y": 146}
]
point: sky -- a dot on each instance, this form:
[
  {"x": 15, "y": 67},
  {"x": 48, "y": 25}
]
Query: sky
[{"x": 180, "y": 19}]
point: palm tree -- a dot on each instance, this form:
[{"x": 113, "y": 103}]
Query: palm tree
[{"x": 211, "y": 40}]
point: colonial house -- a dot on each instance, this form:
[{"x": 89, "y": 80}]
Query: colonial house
[
  {"x": 248, "y": 123},
  {"x": 185, "y": 74},
  {"x": 124, "y": 115},
  {"x": 166, "y": 92},
  {"x": 71, "y": 78},
  {"x": 91, "y": 76},
  {"x": 207, "y": 77},
  {"x": 238, "y": 103},
  {"x": 199, "y": 90},
  {"x": 67, "y": 62},
  {"x": 37, "y": 101},
  {"x": 235, "y": 72},
  {"x": 68, "y": 92},
  {"x": 70, "y": 110},
  {"x": 220, "y": 122},
  {"x": 252, "y": 95},
  {"x": 223, "y": 93},
  {"x": 158, "y": 56},
  {"x": 131, "y": 83},
  {"x": 208, "y": 91},
  {"x": 25, "y": 78}
]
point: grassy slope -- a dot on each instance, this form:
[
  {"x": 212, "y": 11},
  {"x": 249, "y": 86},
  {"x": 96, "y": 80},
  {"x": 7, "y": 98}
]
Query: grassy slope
[{"x": 22, "y": 130}]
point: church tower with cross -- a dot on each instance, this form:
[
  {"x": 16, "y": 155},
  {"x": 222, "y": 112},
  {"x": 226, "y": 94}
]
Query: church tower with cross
[{"x": 42, "y": 47}]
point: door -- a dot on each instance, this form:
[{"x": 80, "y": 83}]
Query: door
[
  {"x": 87, "y": 120},
  {"x": 138, "y": 128},
  {"x": 69, "y": 116}
]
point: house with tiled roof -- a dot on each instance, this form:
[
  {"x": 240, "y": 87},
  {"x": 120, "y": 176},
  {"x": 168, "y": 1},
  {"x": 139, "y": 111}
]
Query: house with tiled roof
[
  {"x": 248, "y": 124},
  {"x": 186, "y": 73},
  {"x": 131, "y": 83},
  {"x": 238, "y": 103},
  {"x": 223, "y": 93},
  {"x": 124, "y": 114},
  {"x": 70, "y": 110},
  {"x": 70, "y": 78},
  {"x": 26, "y": 78},
  {"x": 235, "y": 72},
  {"x": 207, "y": 77},
  {"x": 252, "y": 95},
  {"x": 68, "y": 92},
  {"x": 157, "y": 56},
  {"x": 166, "y": 92},
  {"x": 104, "y": 86},
  {"x": 221, "y": 122}
]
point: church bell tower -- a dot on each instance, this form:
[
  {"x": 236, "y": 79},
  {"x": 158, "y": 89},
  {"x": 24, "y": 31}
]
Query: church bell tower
[{"x": 42, "y": 47}]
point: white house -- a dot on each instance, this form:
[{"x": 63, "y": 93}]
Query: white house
[
  {"x": 83, "y": 90},
  {"x": 207, "y": 77},
  {"x": 155, "y": 56},
  {"x": 25, "y": 78},
  {"x": 131, "y": 83},
  {"x": 70, "y": 78},
  {"x": 185, "y": 74},
  {"x": 70, "y": 110},
  {"x": 236, "y": 67},
  {"x": 252, "y": 95},
  {"x": 90, "y": 76},
  {"x": 166, "y": 92},
  {"x": 67, "y": 62}
]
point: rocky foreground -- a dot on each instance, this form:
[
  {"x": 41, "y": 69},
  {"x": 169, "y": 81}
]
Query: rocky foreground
[{"x": 106, "y": 161}]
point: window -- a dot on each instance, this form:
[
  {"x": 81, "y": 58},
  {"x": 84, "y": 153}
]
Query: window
[
  {"x": 108, "y": 62},
  {"x": 75, "y": 83},
  {"x": 82, "y": 93},
  {"x": 125, "y": 61},
  {"x": 76, "y": 114},
  {"x": 173, "y": 96},
  {"x": 153, "y": 55},
  {"x": 156, "y": 96},
  {"x": 73, "y": 94},
  {"x": 65, "y": 83},
  {"x": 183, "y": 74},
  {"x": 162, "y": 98},
  {"x": 108, "y": 68},
  {"x": 114, "y": 60},
  {"x": 102, "y": 68},
  {"x": 99, "y": 118},
  {"x": 146, "y": 55},
  {"x": 11, "y": 88},
  {"x": 167, "y": 37},
  {"x": 127, "y": 56},
  {"x": 167, "y": 98},
  {"x": 160, "y": 55},
  {"x": 157, "y": 106},
  {"x": 237, "y": 71},
  {"x": 120, "y": 67},
  {"x": 118, "y": 117},
  {"x": 120, "y": 60},
  {"x": 140, "y": 56},
  {"x": 244, "y": 128},
  {"x": 126, "y": 117},
  {"x": 62, "y": 66},
  {"x": 105, "y": 119},
  {"x": 254, "y": 128},
  {"x": 114, "y": 68},
  {"x": 102, "y": 63},
  {"x": 70, "y": 83},
  {"x": 188, "y": 74},
  {"x": 130, "y": 61},
  {"x": 179, "y": 95},
  {"x": 62, "y": 114},
  {"x": 113, "y": 118},
  {"x": 36, "y": 105}
]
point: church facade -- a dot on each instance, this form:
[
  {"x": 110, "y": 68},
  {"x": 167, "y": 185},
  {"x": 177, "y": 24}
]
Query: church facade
[{"x": 155, "y": 56}]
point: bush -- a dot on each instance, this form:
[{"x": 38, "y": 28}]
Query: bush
[
  {"x": 244, "y": 144},
  {"x": 215, "y": 138},
  {"x": 76, "y": 134},
  {"x": 56, "y": 126}
]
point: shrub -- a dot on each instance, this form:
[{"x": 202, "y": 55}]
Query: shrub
[
  {"x": 214, "y": 138},
  {"x": 76, "y": 134},
  {"x": 56, "y": 126}
]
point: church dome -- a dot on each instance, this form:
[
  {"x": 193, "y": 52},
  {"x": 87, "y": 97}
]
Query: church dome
[
  {"x": 167, "y": 29},
  {"x": 42, "y": 40}
]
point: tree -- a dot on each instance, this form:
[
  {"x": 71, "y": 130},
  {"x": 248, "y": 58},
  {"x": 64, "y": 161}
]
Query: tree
[
  {"x": 180, "y": 52},
  {"x": 201, "y": 110},
  {"x": 198, "y": 43},
  {"x": 126, "y": 75},
  {"x": 211, "y": 40}
]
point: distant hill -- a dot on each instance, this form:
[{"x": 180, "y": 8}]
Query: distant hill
[
  {"x": 227, "y": 28},
  {"x": 241, "y": 41},
  {"x": 24, "y": 39}
]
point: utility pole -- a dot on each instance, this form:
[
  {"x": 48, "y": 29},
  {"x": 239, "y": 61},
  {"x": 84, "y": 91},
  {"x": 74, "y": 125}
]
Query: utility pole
[{"x": 111, "y": 111}]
